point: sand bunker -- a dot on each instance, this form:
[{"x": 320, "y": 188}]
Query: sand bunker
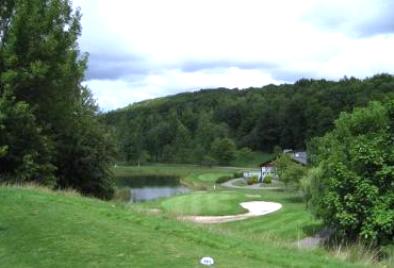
[{"x": 255, "y": 208}]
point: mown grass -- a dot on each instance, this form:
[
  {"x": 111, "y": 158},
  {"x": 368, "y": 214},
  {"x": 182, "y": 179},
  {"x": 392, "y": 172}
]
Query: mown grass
[
  {"x": 39, "y": 228},
  {"x": 290, "y": 223},
  {"x": 205, "y": 203}
]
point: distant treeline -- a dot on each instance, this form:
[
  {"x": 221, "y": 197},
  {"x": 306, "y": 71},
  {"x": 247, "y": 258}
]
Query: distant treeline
[{"x": 208, "y": 125}]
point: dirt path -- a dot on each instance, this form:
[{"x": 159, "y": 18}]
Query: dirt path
[{"x": 255, "y": 208}]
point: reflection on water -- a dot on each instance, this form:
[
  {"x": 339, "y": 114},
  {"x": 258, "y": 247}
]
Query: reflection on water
[{"x": 154, "y": 192}]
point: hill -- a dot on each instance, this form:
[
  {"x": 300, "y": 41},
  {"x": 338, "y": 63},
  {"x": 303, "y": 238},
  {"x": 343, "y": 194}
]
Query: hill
[
  {"x": 221, "y": 125},
  {"x": 40, "y": 228}
]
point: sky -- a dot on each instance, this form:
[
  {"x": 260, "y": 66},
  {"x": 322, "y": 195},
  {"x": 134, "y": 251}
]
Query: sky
[{"x": 146, "y": 49}]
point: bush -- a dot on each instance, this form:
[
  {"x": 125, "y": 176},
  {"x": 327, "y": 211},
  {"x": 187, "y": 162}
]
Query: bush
[
  {"x": 223, "y": 179},
  {"x": 267, "y": 179},
  {"x": 353, "y": 190},
  {"x": 237, "y": 175},
  {"x": 252, "y": 180},
  {"x": 208, "y": 161},
  {"x": 289, "y": 172}
]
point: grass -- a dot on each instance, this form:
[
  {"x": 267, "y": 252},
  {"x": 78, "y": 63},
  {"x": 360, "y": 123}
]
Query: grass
[
  {"x": 196, "y": 177},
  {"x": 205, "y": 203},
  {"x": 40, "y": 228},
  {"x": 255, "y": 159},
  {"x": 290, "y": 223}
]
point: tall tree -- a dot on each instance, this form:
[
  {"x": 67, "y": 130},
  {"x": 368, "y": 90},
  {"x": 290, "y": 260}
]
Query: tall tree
[{"x": 42, "y": 66}]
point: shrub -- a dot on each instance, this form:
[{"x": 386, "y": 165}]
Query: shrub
[
  {"x": 252, "y": 180},
  {"x": 268, "y": 179},
  {"x": 223, "y": 179},
  {"x": 353, "y": 190},
  {"x": 208, "y": 161},
  {"x": 237, "y": 175},
  {"x": 289, "y": 172}
]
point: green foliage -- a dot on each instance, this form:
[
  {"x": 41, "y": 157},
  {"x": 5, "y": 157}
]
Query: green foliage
[
  {"x": 252, "y": 160},
  {"x": 277, "y": 150},
  {"x": 289, "y": 172},
  {"x": 223, "y": 150},
  {"x": 62, "y": 142},
  {"x": 268, "y": 179},
  {"x": 86, "y": 165},
  {"x": 261, "y": 119},
  {"x": 208, "y": 161},
  {"x": 252, "y": 180},
  {"x": 244, "y": 154},
  {"x": 237, "y": 175},
  {"x": 223, "y": 179},
  {"x": 308, "y": 185},
  {"x": 3, "y": 151},
  {"x": 353, "y": 190},
  {"x": 26, "y": 152}
]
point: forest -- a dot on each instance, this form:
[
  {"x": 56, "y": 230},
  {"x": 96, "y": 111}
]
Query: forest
[{"x": 212, "y": 126}]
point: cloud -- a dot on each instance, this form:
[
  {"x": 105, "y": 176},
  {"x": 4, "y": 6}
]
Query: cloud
[
  {"x": 192, "y": 66},
  {"x": 147, "y": 49},
  {"x": 103, "y": 66},
  {"x": 291, "y": 76},
  {"x": 357, "y": 18},
  {"x": 173, "y": 81}
]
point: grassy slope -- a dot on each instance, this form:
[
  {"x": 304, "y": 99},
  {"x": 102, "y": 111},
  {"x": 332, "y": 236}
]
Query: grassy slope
[{"x": 44, "y": 229}]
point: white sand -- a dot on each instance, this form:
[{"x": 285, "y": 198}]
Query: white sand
[{"x": 255, "y": 208}]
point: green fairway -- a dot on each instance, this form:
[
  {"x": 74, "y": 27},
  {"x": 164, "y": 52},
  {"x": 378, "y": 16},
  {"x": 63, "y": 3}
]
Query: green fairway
[
  {"x": 290, "y": 223},
  {"x": 206, "y": 203},
  {"x": 39, "y": 228}
]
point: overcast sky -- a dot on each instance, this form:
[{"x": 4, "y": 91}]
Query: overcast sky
[{"x": 152, "y": 48}]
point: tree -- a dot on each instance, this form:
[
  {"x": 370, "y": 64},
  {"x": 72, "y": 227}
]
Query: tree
[
  {"x": 25, "y": 153},
  {"x": 258, "y": 118},
  {"x": 88, "y": 154},
  {"x": 288, "y": 171},
  {"x": 223, "y": 150},
  {"x": 42, "y": 67},
  {"x": 353, "y": 191},
  {"x": 244, "y": 154},
  {"x": 181, "y": 144}
]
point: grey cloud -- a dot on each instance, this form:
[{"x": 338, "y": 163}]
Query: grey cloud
[
  {"x": 193, "y": 66},
  {"x": 290, "y": 76},
  {"x": 360, "y": 26},
  {"x": 115, "y": 66},
  {"x": 378, "y": 27}
]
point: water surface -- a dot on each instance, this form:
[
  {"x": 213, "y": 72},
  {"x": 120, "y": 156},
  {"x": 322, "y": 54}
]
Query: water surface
[{"x": 155, "y": 192}]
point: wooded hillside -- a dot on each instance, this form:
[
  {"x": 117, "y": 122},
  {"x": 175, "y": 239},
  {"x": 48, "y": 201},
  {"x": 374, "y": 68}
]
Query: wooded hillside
[{"x": 206, "y": 126}]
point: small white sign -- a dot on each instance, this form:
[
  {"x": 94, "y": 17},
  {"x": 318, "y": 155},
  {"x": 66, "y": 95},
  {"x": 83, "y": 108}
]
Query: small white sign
[{"x": 208, "y": 261}]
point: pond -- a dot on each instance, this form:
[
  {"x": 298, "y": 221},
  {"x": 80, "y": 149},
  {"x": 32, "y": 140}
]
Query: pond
[
  {"x": 140, "y": 188},
  {"x": 155, "y": 192}
]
